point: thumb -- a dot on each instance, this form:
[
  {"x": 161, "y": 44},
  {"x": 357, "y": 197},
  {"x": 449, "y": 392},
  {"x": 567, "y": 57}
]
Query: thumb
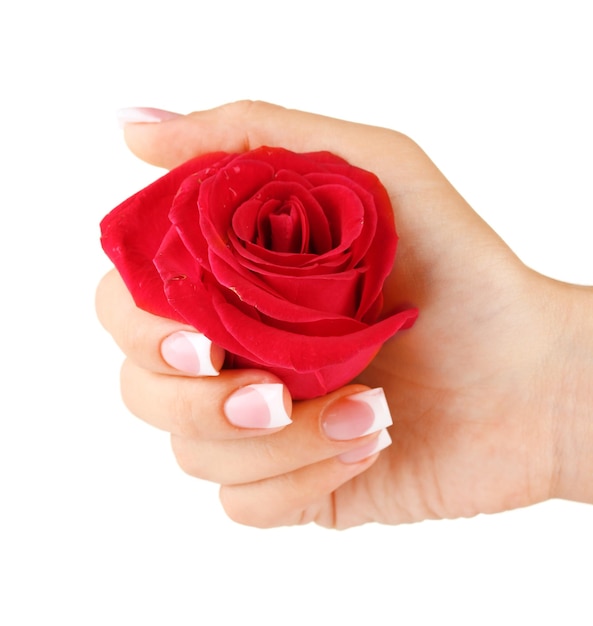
[{"x": 167, "y": 139}]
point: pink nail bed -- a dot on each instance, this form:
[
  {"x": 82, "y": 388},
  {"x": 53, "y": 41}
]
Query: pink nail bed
[
  {"x": 369, "y": 449},
  {"x": 257, "y": 406},
  {"x": 357, "y": 415},
  {"x": 192, "y": 353}
]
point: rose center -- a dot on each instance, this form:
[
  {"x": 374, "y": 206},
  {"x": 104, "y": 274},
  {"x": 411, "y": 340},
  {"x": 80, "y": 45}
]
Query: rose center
[{"x": 283, "y": 227}]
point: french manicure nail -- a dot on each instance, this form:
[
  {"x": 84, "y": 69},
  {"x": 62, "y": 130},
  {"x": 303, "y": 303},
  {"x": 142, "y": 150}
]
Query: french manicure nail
[
  {"x": 143, "y": 115},
  {"x": 364, "y": 452},
  {"x": 192, "y": 353},
  {"x": 356, "y": 415},
  {"x": 257, "y": 406}
]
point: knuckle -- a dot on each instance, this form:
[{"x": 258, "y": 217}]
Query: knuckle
[
  {"x": 269, "y": 453},
  {"x": 240, "y": 510},
  {"x": 247, "y": 116},
  {"x": 133, "y": 337},
  {"x": 183, "y": 413},
  {"x": 244, "y": 108},
  {"x": 187, "y": 459},
  {"x": 103, "y": 298},
  {"x": 126, "y": 376}
]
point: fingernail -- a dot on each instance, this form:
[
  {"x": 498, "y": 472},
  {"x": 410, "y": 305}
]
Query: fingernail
[
  {"x": 143, "y": 115},
  {"x": 257, "y": 406},
  {"x": 192, "y": 353},
  {"x": 356, "y": 415},
  {"x": 364, "y": 452}
]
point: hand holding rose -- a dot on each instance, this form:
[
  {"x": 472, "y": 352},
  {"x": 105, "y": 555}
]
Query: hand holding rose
[{"x": 490, "y": 391}]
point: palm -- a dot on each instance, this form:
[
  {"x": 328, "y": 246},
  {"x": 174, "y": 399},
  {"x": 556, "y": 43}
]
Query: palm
[{"x": 461, "y": 419}]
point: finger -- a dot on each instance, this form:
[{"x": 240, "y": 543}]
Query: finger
[
  {"x": 152, "y": 342},
  {"x": 300, "y": 497},
  {"x": 338, "y": 424},
  {"x": 238, "y": 403}
]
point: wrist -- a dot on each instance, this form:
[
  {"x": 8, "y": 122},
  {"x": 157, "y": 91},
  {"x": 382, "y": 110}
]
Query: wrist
[{"x": 572, "y": 402}]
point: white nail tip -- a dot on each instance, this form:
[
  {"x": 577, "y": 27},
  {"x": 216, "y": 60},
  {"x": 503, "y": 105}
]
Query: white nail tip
[
  {"x": 273, "y": 396},
  {"x": 376, "y": 399},
  {"x": 382, "y": 441},
  {"x": 143, "y": 115},
  {"x": 192, "y": 353},
  {"x": 203, "y": 349}
]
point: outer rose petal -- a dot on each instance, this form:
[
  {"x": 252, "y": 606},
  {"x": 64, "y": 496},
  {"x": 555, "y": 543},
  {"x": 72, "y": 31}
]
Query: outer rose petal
[
  {"x": 253, "y": 293},
  {"x": 300, "y": 163},
  {"x": 309, "y": 365},
  {"x": 305, "y": 385},
  {"x": 132, "y": 233},
  {"x": 184, "y": 283}
]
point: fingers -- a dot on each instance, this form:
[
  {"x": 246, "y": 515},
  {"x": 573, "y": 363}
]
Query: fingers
[
  {"x": 273, "y": 471},
  {"x": 300, "y": 497},
  {"x": 236, "y": 429},
  {"x": 239, "y": 403},
  {"x": 290, "y": 477},
  {"x": 309, "y": 440}
]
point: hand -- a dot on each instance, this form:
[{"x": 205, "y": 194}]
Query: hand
[{"x": 489, "y": 390}]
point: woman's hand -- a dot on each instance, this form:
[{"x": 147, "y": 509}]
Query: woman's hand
[{"x": 490, "y": 391}]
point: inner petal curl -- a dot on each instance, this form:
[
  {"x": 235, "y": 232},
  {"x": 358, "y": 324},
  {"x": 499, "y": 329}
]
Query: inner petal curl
[
  {"x": 283, "y": 226},
  {"x": 283, "y": 217}
]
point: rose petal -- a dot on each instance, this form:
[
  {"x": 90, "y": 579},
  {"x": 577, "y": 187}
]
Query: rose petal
[
  {"x": 132, "y": 233},
  {"x": 206, "y": 307},
  {"x": 251, "y": 219},
  {"x": 254, "y": 292},
  {"x": 336, "y": 294},
  {"x": 222, "y": 193},
  {"x": 186, "y": 288},
  {"x": 379, "y": 229},
  {"x": 290, "y": 176},
  {"x": 335, "y": 360},
  {"x": 261, "y": 261},
  {"x": 300, "y": 163},
  {"x": 345, "y": 212},
  {"x": 367, "y": 228}
]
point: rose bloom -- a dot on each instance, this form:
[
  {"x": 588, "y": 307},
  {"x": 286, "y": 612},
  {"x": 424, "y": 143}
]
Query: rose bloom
[{"x": 277, "y": 257}]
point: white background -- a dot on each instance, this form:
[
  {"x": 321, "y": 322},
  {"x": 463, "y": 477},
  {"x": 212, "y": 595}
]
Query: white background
[{"x": 97, "y": 524}]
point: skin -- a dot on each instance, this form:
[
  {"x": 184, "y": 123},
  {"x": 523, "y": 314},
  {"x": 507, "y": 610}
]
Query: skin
[{"x": 490, "y": 392}]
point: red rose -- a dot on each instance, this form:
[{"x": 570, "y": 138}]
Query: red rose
[{"x": 277, "y": 257}]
